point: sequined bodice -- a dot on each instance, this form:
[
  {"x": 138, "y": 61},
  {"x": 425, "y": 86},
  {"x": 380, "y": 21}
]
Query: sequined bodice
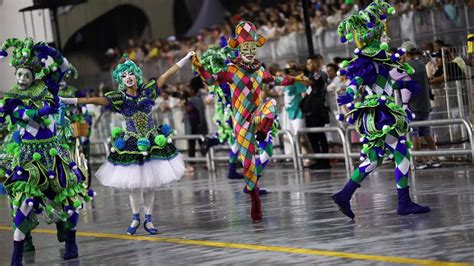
[{"x": 137, "y": 114}]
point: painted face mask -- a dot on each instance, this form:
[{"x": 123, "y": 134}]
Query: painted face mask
[
  {"x": 24, "y": 78},
  {"x": 247, "y": 51},
  {"x": 128, "y": 79}
]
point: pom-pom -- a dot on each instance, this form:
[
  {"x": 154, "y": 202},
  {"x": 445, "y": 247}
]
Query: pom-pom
[
  {"x": 169, "y": 140},
  {"x": 49, "y": 209},
  {"x": 145, "y": 153},
  {"x": 166, "y": 129},
  {"x": 349, "y": 37},
  {"x": 109, "y": 140},
  {"x": 36, "y": 156},
  {"x": 91, "y": 193},
  {"x": 344, "y": 63},
  {"x": 119, "y": 143},
  {"x": 65, "y": 146},
  {"x": 143, "y": 144},
  {"x": 343, "y": 39},
  {"x": 87, "y": 198},
  {"x": 384, "y": 46},
  {"x": 391, "y": 10},
  {"x": 116, "y": 131},
  {"x": 43, "y": 60},
  {"x": 77, "y": 204},
  {"x": 2, "y": 103},
  {"x": 362, "y": 158},
  {"x": 350, "y": 120},
  {"x": 160, "y": 141},
  {"x": 410, "y": 70},
  {"x": 386, "y": 128},
  {"x": 340, "y": 117},
  {"x": 357, "y": 51},
  {"x": 53, "y": 152},
  {"x": 401, "y": 51},
  {"x": 383, "y": 16},
  {"x": 370, "y": 25},
  {"x": 3, "y": 54},
  {"x": 70, "y": 212},
  {"x": 112, "y": 150},
  {"x": 47, "y": 122},
  {"x": 30, "y": 202},
  {"x": 19, "y": 172},
  {"x": 342, "y": 72},
  {"x": 16, "y": 137},
  {"x": 358, "y": 105}
]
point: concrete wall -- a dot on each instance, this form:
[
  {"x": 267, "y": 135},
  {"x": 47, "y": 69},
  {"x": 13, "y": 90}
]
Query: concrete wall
[
  {"x": 12, "y": 25},
  {"x": 159, "y": 13}
]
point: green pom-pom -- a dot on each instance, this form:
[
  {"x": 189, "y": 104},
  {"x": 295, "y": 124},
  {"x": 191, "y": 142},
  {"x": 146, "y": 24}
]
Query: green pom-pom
[
  {"x": 116, "y": 131},
  {"x": 36, "y": 156},
  {"x": 2, "y": 102},
  {"x": 386, "y": 129},
  {"x": 410, "y": 70},
  {"x": 409, "y": 144},
  {"x": 53, "y": 152},
  {"x": 349, "y": 37},
  {"x": 47, "y": 122},
  {"x": 161, "y": 141},
  {"x": 65, "y": 146},
  {"x": 87, "y": 198},
  {"x": 17, "y": 154},
  {"x": 345, "y": 64},
  {"x": 391, "y": 10},
  {"x": 49, "y": 208},
  {"x": 77, "y": 204},
  {"x": 358, "y": 104},
  {"x": 63, "y": 216},
  {"x": 384, "y": 46}
]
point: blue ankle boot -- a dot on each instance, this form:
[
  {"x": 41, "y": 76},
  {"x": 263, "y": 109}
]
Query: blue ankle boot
[
  {"x": 17, "y": 256},
  {"x": 343, "y": 198},
  {"x": 151, "y": 231},
  {"x": 71, "y": 251},
  {"x": 406, "y": 206},
  {"x": 132, "y": 230}
]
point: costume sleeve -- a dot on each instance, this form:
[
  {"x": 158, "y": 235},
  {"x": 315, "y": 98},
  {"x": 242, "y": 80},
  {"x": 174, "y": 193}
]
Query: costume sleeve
[
  {"x": 276, "y": 81},
  {"x": 216, "y": 79},
  {"x": 152, "y": 90},
  {"x": 116, "y": 99},
  {"x": 300, "y": 87}
]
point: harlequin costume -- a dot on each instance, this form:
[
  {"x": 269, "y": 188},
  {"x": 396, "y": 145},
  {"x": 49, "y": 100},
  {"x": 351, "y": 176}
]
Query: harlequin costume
[
  {"x": 252, "y": 117},
  {"x": 381, "y": 123},
  {"x": 42, "y": 178},
  {"x": 142, "y": 156},
  {"x": 214, "y": 60}
]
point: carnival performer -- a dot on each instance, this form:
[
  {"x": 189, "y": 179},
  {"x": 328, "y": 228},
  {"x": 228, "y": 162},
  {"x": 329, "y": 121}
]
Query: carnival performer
[
  {"x": 142, "y": 156},
  {"x": 252, "y": 116},
  {"x": 42, "y": 177},
  {"x": 380, "y": 121}
]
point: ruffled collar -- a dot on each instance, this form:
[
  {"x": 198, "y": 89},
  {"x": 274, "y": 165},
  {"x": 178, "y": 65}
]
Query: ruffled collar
[{"x": 247, "y": 66}]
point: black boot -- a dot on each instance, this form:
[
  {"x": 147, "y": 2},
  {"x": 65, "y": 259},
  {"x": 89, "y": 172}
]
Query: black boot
[
  {"x": 71, "y": 251},
  {"x": 232, "y": 172},
  {"x": 60, "y": 231},
  {"x": 17, "y": 256},
  {"x": 28, "y": 246},
  {"x": 343, "y": 198},
  {"x": 406, "y": 206}
]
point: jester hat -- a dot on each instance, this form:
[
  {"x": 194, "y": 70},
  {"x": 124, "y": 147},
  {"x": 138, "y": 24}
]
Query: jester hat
[
  {"x": 246, "y": 32},
  {"x": 28, "y": 54}
]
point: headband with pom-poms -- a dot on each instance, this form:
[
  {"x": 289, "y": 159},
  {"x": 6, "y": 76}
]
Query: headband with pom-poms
[
  {"x": 367, "y": 25},
  {"x": 33, "y": 56}
]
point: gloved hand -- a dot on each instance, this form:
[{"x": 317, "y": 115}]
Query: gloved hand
[
  {"x": 345, "y": 99},
  {"x": 47, "y": 110}
]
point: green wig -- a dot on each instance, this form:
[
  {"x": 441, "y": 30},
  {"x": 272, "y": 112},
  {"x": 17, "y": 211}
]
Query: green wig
[{"x": 127, "y": 66}]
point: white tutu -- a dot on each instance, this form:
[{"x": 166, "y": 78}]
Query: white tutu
[{"x": 151, "y": 174}]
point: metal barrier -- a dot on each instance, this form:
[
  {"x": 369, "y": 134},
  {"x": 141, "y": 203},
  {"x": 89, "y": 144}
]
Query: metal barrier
[
  {"x": 206, "y": 159},
  {"x": 343, "y": 155},
  {"x": 466, "y": 124},
  {"x": 293, "y": 155}
]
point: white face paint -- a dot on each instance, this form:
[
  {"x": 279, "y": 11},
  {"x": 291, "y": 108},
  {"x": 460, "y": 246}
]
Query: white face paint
[
  {"x": 24, "y": 78},
  {"x": 247, "y": 51},
  {"x": 129, "y": 79}
]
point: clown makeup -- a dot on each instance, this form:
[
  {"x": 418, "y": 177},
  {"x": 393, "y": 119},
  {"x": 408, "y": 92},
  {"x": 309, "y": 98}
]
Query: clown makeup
[
  {"x": 129, "y": 79},
  {"x": 24, "y": 78},
  {"x": 247, "y": 51}
]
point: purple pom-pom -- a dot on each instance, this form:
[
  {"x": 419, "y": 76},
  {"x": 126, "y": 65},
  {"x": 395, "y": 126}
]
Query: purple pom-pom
[
  {"x": 72, "y": 164},
  {"x": 30, "y": 202},
  {"x": 340, "y": 117},
  {"x": 3, "y": 53},
  {"x": 343, "y": 39},
  {"x": 370, "y": 25},
  {"x": 383, "y": 17},
  {"x": 401, "y": 51},
  {"x": 342, "y": 72},
  {"x": 382, "y": 100},
  {"x": 90, "y": 193},
  {"x": 393, "y": 58}
]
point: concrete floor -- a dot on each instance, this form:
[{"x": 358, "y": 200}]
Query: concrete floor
[{"x": 205, "y": 220}]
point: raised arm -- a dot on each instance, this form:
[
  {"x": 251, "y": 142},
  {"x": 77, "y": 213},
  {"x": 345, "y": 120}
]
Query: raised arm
[
  {"x": 211, "y": 79},
  {"x": 269, "y": 79},
  {"x": 103, "y": 101},
  {"x": 173, "y": 70}
]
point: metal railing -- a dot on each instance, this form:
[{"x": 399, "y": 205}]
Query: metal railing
[
  {"x": 206, "y": 158},
  {"x": 343, "y": 155}
]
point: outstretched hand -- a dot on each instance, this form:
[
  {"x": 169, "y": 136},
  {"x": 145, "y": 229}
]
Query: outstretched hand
[
  {"x": 195, "y": 61},
  {"x": 303, "y": 79}
]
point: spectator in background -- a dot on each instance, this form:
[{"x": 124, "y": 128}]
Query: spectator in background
[
  {"x": 418, "y": 103},
  {"x": 293, "y": 97},
  {"x": 196, "y": 116},
  {"x": 315, "y": 109}
]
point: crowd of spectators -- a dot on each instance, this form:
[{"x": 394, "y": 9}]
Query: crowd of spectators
[{"x": 273, "y": 19}]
